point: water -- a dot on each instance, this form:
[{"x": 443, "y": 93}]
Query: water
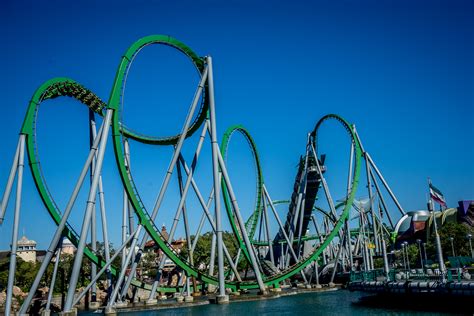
[{"x": 330, "y": 303}]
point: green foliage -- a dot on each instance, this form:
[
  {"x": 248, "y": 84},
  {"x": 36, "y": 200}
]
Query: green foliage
[
  {"x": 460, "y": 242},
  {"x": 202, "y": 251},
  {"x": 24, "y": 275},
  {"x": 378, "y": 263},
  {"x": 413, "y": 256},
  {"x": 149, "y": 264},
  {"x": 26, "y": 271}
]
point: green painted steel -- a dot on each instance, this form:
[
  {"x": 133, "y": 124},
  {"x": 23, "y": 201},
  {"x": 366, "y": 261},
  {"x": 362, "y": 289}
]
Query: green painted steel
[
  {"x": 58, "y": 87},
  {"x": 251, "y": 224},
  {"x": 119, "y": 85},
  {"x": 305, "y": 238},
  {"x": 51, "y": 89}
]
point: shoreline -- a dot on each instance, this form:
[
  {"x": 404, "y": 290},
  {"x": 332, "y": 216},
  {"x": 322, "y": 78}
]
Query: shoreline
[{"x": 173, "y": 303}]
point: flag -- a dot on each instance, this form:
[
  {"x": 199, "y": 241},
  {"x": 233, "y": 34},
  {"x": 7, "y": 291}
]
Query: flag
[{"x": 437, "y": 195}]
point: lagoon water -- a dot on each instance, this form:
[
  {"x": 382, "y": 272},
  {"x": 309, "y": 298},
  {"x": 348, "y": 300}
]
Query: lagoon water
[{"x": 330, "y": 303}]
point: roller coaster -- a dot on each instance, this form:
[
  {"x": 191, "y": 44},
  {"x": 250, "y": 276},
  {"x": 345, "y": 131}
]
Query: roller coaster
[{"x": 316, "y": 233}]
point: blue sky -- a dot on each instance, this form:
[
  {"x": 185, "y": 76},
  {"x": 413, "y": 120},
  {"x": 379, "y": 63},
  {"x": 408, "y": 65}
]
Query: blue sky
[{"x": 402, "y": 71}]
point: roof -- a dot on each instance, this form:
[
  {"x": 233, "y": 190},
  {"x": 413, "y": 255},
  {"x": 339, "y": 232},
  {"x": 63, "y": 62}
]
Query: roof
[{"x": 26, "y": 242}]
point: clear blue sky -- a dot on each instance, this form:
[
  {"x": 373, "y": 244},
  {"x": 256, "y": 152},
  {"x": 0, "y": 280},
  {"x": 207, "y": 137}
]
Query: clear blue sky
[{"x": 402, "y": 71}]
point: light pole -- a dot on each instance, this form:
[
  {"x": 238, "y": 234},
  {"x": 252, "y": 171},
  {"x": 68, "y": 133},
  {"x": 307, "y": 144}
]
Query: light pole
[
  {"x": 418, "y": 241},
  {"x": 469, "y": 237},
  {"x": 424, "y": 252},
  {"x": 451, "y": 239},
  {"x": 408, "y": 258},
  {"x": 403, "y": 255}
]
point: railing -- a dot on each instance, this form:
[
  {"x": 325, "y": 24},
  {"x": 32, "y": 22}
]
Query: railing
[
  {"x": 359, "y": 276},
  {"x": 403, "y": 275}
]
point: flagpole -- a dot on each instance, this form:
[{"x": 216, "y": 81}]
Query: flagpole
[{"x": 439, "y": 251}]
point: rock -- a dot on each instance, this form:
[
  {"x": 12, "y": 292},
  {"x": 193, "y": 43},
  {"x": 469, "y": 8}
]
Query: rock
[
  {"x": 17, "y": 291},
  {"x": 44, "y": 290},
  {"x": 3, "y": 298}
]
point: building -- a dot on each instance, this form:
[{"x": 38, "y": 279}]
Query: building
[
  {"x": 419, "y": 224},
  {"x": 68, "y": 247},
  {"x": 26, "y": 249}
]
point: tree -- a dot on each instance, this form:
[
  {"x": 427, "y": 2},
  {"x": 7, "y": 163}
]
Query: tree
[
  {"x": 459, "y": 233},
  {"x": 202, "y": 252}
]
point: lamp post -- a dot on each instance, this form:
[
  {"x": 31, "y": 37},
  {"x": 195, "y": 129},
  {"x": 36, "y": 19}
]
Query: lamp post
[
  {"x": 451, "y": 239},
  {"x": 403, "y": 256},
  {"x": 469, "y": 237},
  {"x": 424, "y": 252},
  {"x": 408, "y": 258},
  {"x": 418, "y": 241}
]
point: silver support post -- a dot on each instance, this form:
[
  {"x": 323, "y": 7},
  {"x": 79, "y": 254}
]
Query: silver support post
[
  {"x": 316, "y": 272},
  {"x": 382, "y": 200},
  {"x": 201, "y": 223},
  {"x": 188, "y": 286},
  {"x": 367, "y": 260},
  {"x": 53, "y": 278},
  {"x": 267, "y": 229},
  {"x": 325, "y": 185},
  {"x": 121, "y": 276},
  {"x": 124, "y": 224},
  {"x": 292, "y": 229},
  {"x": 206, "y": 75},
  {"x": 87, "y": 216},
  {"x": 339, "y": 250},
  {"x": 300, "y": 225},
  {"x": 106, "y": 267},
  {"x": 379, "y": 173},
  {"x": 372, "y": 163},
  {"x": 11, "y": 178},
  {"x": 385, "y": 259},
  {"x": 93, "y": 216},
  {"x": 321, "y": 237},
  {"x": 371, "y": 201},
  {"x": 166, "y": 180},
  {"x": 282, "y": 258},
  {"x": 243, "y": 230},
  {"x": 126, "y": 149},
  {"x": 16, "y": 221},
  {"x": 205, "y": 207},
  {"x": 303, "y": 201},
  {"x": 181, "y": 205},
  {"x": 281, "y": 227},
  {"x": 59, "y": 230},
  {"x": 213, "y": 254},
  {"x": 186, "y": 228},
  {"x": 103, "y": 216},
  {"x": 346, "y": 223},
  {"x": 215, "y": 171}
]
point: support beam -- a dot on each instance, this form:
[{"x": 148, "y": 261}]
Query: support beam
[
  {"x": 59, "y": 230},
  {"x": 164, "y": 186},
  {"x": 381, "y": 199},
  {"x": 16, "y": 221},
  {"x": 104, "y": 268},
  {"x": 215, "y": 172},
  {"x": 53, "y": 278},
  {"x": 88, "y": 213},
  {"x": 243, "y": 230},
  {"x": 11, "y": 178},
  {"x": 267, "y": 229}
]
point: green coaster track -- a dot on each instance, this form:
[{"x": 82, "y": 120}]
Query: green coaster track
[{"x": 61, "y": 87}]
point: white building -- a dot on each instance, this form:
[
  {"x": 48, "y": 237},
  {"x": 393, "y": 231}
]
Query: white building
[
  {"x": 68, "y": 247},
  {"x": 26, "y": 249}
]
